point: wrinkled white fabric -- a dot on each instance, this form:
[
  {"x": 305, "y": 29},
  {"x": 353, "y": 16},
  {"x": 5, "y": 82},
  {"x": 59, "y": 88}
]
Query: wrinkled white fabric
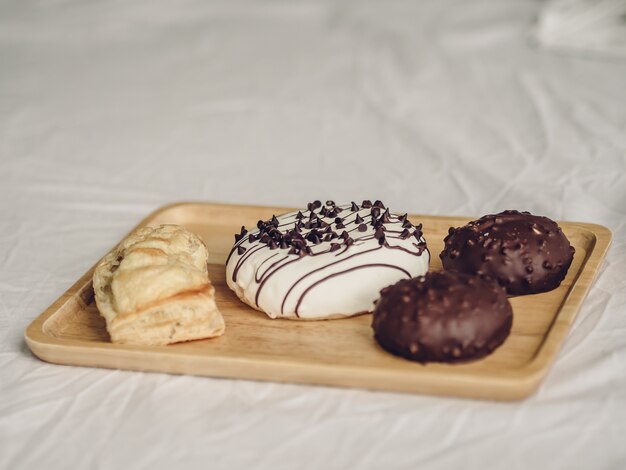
[
  {"x": 596, "y": 26},
  {"x": 111, "y": 109}
]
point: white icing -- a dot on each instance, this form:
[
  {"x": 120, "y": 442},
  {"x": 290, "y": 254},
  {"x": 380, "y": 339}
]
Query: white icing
[{"x": 358, "y": 272}]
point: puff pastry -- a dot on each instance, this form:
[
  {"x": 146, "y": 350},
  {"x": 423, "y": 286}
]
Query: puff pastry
[{"x": 154, "y": 288}]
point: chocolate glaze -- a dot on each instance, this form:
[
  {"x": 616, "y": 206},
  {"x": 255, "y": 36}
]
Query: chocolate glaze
[
  {"x": 311, "y": 233},
  {"x": 526, "y": 253},
  {"x": 442, "y": 317}
]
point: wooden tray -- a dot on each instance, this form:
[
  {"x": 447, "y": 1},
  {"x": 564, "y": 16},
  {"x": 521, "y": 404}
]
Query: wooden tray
[{"x": 336, "y": 352}]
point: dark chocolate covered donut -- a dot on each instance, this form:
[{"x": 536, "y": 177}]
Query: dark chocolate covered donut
[
  {"x": 442, "y": 317},
  {"x": 526, "y": 253}
]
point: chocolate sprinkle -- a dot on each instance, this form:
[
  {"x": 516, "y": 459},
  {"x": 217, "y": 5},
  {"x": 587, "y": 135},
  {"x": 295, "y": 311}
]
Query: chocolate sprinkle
[
  {"x": 241, "y": 234},
  {"x": 385, "y": 217},
  {"x": 318, "y": 230}
]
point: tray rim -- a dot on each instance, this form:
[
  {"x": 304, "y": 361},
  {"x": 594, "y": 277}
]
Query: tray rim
[{"x": 525, "y": 378}]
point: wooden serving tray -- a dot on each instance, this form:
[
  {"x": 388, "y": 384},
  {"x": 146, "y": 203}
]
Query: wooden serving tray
[{"x": 334, "y": 352}]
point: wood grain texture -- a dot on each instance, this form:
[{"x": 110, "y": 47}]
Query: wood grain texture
[{"x": 334, "y": 352}]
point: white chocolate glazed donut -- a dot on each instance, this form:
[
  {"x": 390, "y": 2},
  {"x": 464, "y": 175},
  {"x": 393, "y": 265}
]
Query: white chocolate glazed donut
[{"x": 326, "y": 262}]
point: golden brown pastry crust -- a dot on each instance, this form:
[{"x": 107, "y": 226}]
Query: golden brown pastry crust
[{"x": 154, "y": 288}]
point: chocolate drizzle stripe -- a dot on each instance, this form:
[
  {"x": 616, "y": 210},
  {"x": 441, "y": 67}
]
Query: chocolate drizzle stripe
[
  {"x": 256, "y": 274},
  {"x": 262, "y": 283},
  {"x": 241, "y": 260},
  {"x": 310, "y": 273},
  {"x": 391, "y": 247},
  {"x": 330, "y": 276}
]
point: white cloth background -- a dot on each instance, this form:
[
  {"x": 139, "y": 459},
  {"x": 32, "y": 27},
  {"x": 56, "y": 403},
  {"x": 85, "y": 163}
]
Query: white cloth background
[{"x": 111, "y": 109}]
